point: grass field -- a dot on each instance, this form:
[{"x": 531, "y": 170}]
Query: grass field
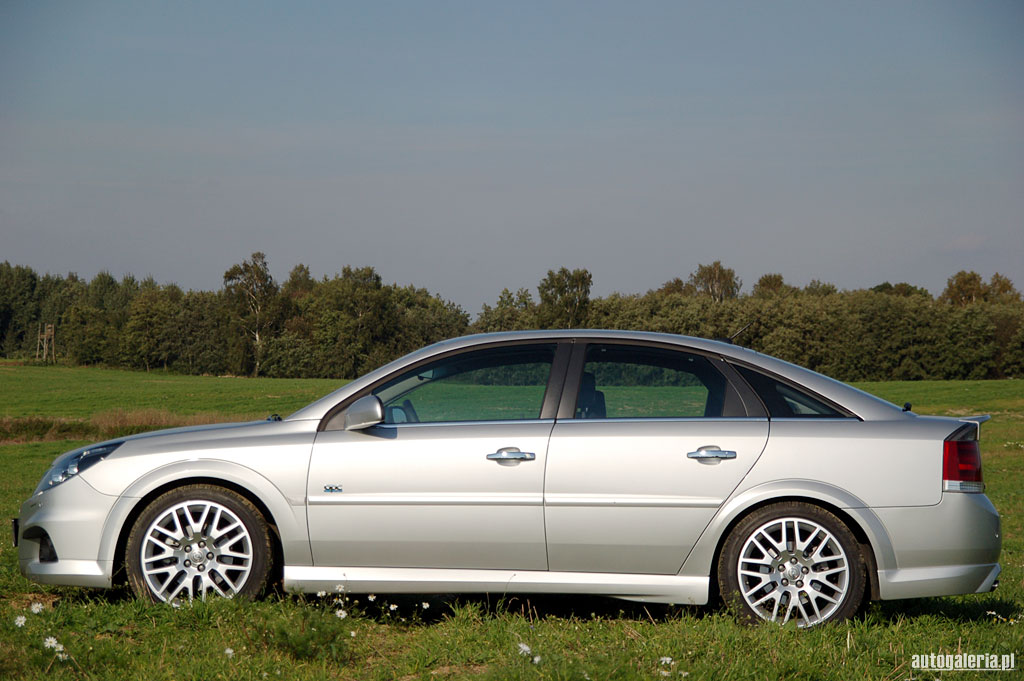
[{"x": 109, "y": 635}]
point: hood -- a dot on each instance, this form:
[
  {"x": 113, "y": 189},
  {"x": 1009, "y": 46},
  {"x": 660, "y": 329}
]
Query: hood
[
  {"x": 210, "y": 437},
  {"x": 187, "y": 430}
]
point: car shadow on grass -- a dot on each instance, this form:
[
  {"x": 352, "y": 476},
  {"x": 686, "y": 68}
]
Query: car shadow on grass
[
  {"x": 542, "y": 606},
  {"x": 961, "y": 610},
  {"x": 433, "y": 608},
  {"x": 952, "y": 610}
]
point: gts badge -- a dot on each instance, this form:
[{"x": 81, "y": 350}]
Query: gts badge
[{"x": 330, "y": 489}]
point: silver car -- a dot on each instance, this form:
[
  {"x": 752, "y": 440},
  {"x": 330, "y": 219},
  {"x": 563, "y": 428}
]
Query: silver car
[{"x": 650, "y": 467}]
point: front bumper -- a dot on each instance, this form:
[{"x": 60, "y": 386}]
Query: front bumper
[
  {"x": 59, "y": 535},
  {"x": 943, "y": 550}
]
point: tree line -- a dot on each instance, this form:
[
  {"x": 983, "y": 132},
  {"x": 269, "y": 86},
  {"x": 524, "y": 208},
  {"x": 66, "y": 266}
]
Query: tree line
[{"x": 352, "y": 322}]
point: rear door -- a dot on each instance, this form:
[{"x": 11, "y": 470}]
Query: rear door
[{"x": 645, "y": 450}]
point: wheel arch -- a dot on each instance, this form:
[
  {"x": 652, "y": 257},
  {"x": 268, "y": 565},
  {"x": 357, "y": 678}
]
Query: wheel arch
[
  {"x": 285, "y": 518},
  {"x": 867, "y": 529}
]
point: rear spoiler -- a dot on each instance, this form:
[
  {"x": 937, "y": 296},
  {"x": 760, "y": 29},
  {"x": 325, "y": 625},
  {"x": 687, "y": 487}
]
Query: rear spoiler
[{"x": 976, "y": 420}]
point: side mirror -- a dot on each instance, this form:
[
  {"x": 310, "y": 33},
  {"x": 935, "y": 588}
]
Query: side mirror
[{"x": 365, "y": 412}]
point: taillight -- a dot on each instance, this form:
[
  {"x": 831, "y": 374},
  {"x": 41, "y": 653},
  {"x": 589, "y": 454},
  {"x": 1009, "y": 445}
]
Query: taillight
[{"x": 961, "y": 466}]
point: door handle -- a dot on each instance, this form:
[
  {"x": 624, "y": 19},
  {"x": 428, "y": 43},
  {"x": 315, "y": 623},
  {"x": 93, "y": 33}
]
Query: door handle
[
  {"x": 510, "y": 456},
  {"x": 711, "y": 454}
]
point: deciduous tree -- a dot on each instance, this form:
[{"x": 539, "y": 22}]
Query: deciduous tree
[
  {"x": 963, "y": 288},
  {"x": 564, "y": 299},
  {"x": 771, "y": 285},
  {"x": 253, "y": 293},
  {"x": 716, "y": 281},
  {"x": 902, "y": 289},
  {"x": 512, "y": 312}
]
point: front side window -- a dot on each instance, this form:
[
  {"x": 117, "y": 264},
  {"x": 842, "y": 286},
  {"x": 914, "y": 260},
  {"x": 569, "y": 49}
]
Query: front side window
[
  {"x": 621, "y": 381},
  {"x": 496, "y": 384}
]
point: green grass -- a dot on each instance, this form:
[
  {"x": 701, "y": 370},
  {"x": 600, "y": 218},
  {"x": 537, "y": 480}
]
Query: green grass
[
  {"x": 83, "y": 392},
  {"x": 953, "y": 397},
  {"x": 112, "y": 636}
]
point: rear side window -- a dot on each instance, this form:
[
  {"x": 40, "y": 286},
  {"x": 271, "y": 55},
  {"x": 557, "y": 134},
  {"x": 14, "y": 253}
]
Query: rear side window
[
  {"x": 622, "y": 381},
  {"x": 784, "y": 401}
]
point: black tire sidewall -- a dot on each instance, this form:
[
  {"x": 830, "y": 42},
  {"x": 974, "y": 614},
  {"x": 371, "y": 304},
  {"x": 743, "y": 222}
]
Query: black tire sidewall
[{"x": 250, "y": 516}]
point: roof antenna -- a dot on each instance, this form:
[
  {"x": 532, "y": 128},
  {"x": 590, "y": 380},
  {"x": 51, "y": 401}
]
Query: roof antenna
[
  {"x": 775, "y": 302},
  {"x": 746, "y": 326}
]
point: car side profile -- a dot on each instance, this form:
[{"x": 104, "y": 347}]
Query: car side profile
[{"x": 643, "y": 466}]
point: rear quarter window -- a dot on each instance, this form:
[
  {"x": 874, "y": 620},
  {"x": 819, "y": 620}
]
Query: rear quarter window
[{"x": 784, "y": 400}]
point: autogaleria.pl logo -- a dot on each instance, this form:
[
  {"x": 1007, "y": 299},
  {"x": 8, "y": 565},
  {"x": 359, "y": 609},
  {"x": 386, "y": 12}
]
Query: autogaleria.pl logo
[{"x": 937, "y": 662}]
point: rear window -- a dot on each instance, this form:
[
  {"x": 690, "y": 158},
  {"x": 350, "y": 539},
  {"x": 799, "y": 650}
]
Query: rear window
[{"x": 786, "y": 401}]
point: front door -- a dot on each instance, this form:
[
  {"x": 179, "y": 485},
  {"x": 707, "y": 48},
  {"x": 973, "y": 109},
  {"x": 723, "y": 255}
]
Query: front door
[{"x": 454, "y": 476}]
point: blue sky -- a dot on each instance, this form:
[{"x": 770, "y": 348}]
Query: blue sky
[{"x": 469, "y": 146}]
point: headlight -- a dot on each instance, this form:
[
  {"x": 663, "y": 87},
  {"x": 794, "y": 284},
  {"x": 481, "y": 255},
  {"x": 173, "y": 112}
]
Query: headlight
[{"x": 71, "y": 464}]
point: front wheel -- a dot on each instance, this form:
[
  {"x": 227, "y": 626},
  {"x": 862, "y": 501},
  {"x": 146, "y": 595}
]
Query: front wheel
[
  {"x": 792, "y": 561},
  {"x": 195, "y": 541}
]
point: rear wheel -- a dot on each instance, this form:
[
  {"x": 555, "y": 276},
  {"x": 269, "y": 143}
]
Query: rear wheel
[
  {"x": 792, "y": 561},
  {"x": 198, "y": 540}
]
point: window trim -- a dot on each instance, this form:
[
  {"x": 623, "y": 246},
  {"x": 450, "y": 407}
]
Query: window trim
[{"x": 448, "y": 424}]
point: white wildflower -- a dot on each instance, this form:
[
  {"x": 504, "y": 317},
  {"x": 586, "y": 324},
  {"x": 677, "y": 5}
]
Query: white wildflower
[
  {"x": 63, "y": 657},
  {"x": 50, "y": 642},
  {"x": 425, "y": 605},
  {"x": 352, "y": 633},
  {"x": 665, "y": 660},
  {"x": 229, "y": 652},
  {"x": 340, "y": 588},
  {"x": 36, "y": 608},
  {"x": 340, "y": 614},
  {"x": 524, "y": 649},
  {"x": 665, "y": 673},
  {"x": 536, "y": 659},
  {"x": 392, "y": 607},
  {"x": 59, "y": 647},
  {"x": 321, "y": 594},
  {"x": 371, "y": 598},
  {"x": 19, "y": 621}
]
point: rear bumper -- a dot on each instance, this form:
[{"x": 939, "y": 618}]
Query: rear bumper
[
  {"x": 943, "y": 550},
  {"x": 938, "y": 581},
  {"x": 59, "y": 533}
]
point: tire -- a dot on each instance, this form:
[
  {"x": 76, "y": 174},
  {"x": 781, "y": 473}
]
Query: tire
[
  {"x": 792, "y": 561},
  {"x": 198, "y": 540}
]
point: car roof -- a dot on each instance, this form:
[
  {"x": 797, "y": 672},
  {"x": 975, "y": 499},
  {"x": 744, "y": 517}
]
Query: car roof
[{"x": 864, "y": 405}]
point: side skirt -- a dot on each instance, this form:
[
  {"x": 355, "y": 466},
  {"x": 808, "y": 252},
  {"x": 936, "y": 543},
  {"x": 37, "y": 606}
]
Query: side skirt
[{"x": 679, "y": 589}]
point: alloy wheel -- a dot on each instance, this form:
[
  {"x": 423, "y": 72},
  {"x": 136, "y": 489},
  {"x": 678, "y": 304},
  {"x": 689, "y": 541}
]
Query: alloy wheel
[
  {"x": 793, "y": 568},
  {"x": 195, "y": 548}
]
